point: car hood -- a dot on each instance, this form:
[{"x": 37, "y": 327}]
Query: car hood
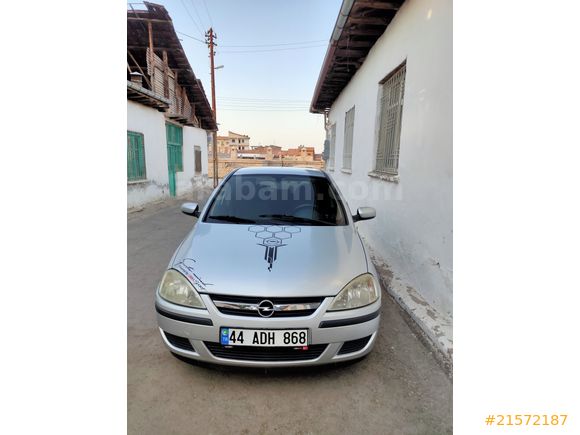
[{"x": 270, "y": 260}]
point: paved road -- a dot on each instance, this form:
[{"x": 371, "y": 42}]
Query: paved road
[{"x": 398, "y": 389}]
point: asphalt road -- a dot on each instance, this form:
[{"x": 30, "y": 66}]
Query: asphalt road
[{"x": 398, "y": 389}]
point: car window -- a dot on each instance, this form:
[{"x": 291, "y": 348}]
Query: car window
[{"x": 266, "y": 198}]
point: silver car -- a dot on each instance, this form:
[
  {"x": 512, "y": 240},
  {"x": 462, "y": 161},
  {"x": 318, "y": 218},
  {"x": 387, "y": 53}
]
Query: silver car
[{"x": 273, "y": 273}]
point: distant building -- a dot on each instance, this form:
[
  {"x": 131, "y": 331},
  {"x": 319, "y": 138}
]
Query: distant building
[
  {"x": 301, "y": 153},
  {"x": 240, "y": 141},
  {"x": 235, "y": 151},
  {"x": 168, "y": 114}
]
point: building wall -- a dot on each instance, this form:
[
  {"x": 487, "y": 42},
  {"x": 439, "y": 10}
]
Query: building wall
[
  {"x": 151, "y": 123},
  {"x": 187, "y": 180},
  {"x": 413, "y": 230}
]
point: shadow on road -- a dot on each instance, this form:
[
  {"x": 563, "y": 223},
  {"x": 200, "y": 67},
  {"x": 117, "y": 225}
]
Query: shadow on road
[{"x": 276, "y": 372}]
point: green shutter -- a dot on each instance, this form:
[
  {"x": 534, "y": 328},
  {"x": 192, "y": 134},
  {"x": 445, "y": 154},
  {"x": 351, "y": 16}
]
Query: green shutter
[
  {"x": 135, "y": 157},
  {"x": 175, "y": 140}
]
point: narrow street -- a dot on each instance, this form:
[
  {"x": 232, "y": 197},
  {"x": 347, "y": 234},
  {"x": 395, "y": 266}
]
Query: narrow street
[{"x": 398, "y": 389}]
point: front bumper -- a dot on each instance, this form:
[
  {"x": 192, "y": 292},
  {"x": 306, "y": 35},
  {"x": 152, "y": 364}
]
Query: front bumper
[{"x": 331, "y": 329}]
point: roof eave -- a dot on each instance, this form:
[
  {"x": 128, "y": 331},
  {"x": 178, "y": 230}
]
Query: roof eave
[
  {"x": 159, "y": 15},
  {"x": 363, "y": 22}
]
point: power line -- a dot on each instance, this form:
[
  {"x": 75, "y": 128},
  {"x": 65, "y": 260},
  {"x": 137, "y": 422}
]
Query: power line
[
  {"x": 259, "y": 45},
  {"x": 192, "y": 37},
  {"x": 208, "y": 14},
  {"x": 262, "y": 107},
  {"x": 261, "y": 99},
  {"x": 265, "y": 107},
  {"x": 263, "y": 102},
  {"x": 273, "y": 49},
  {"x": 190, "y": 16},
  {"x": 275, "y": 45},
  {"x": 197, "y": 14},
  {"x": 266, "y": 110},
  {"x": 227, "y": 109}
]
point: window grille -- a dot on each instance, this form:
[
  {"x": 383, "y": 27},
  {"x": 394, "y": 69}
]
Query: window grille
[
  {"x": 135, "y": 157},
  {"x": 348, "y": 137},
  {"x": 393, "y": 87}
]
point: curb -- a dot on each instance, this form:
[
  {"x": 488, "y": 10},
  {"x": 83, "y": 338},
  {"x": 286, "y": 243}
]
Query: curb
[{"x": 434, "y": 329}]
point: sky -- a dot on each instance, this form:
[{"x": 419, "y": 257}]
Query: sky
[{"x": 263, "y": 90}]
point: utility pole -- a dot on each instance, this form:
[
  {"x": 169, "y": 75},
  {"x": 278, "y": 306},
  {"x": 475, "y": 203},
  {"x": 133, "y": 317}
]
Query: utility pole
[{"x": 210, "y": 35}]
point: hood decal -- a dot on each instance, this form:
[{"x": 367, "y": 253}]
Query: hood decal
[
  {"x": 273, "y": 237},
  {"x": 187, "y": 267}
]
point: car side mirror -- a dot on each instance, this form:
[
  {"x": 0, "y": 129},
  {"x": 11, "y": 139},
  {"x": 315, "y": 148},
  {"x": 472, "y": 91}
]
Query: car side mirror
[
  {"x": 364, "y": 213},
  {"x": 190, "y": 208}
]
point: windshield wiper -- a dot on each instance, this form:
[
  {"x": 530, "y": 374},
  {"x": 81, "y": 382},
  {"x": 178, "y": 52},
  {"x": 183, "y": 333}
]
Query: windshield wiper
[
  {"x": 233, "y": 219},
  {"x": 295, "y": 219}
]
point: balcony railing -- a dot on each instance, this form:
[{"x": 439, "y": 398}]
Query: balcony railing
[{"x": 164, "y": 84}]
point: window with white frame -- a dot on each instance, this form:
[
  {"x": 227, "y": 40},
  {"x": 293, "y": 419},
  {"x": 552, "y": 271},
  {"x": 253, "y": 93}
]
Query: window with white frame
[
  {"x": 348, "y": 136},
  {"x": 331, "y": 147},
  {"x": 392, "y": 93}
]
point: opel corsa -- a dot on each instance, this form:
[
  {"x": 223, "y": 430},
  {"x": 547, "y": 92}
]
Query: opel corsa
[{"x": 273, "y": 273}]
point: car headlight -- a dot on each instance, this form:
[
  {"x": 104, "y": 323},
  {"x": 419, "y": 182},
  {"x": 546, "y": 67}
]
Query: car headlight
[
  {"x": 359, "y": 292},
  {"x": 176, "y": 289}
]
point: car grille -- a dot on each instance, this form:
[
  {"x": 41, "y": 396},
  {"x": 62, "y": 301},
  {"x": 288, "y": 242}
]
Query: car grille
[
  {"x": 256, "y": 353},
  {"x": 283, "y": 307},
  {"x": 353, "y": 345},
  {"x": 179, "y": 342}
]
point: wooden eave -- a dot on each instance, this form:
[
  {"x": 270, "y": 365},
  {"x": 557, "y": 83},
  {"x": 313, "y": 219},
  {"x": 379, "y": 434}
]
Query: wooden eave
[
  {"x": 145, "y": 96},
  {"x": 165, "y": 39},
  {"x": 349, "y": 46}
]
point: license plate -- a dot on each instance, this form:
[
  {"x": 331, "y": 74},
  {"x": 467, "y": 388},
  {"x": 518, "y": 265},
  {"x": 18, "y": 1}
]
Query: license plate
[{"x": 264, "y": 337}]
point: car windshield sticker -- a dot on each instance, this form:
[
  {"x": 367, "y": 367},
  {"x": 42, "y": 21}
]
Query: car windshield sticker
[
  {"x": 273, "y": 237},
  {"x": 187, "y": 267}
]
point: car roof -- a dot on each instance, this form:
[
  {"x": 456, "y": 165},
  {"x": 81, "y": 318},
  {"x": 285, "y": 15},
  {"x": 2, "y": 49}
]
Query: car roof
[{"x": 280, "y": 170}]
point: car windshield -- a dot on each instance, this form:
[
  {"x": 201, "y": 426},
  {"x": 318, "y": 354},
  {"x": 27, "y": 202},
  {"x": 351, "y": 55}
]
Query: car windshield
[{"x": 277, "y": 198}]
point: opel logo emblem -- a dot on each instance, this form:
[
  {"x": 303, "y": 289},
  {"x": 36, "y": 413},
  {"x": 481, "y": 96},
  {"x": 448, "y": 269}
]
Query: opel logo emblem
[{"x": 266, "y": 308}]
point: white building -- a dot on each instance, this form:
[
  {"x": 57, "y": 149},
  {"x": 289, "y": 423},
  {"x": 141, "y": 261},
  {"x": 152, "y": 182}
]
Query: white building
[
  {"x": 386, "y": 89},
  {"x": 168, "y": 114}
]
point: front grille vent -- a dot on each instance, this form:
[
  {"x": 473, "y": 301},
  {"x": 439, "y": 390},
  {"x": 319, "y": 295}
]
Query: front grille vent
[
  {"x": 282, "y": 306},
  {"x": 256, "y": 353},
  {"x": 179, "y": 342}
]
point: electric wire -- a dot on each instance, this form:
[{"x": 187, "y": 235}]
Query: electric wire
[
  {"x": 270, "y": 50},
  {"x": 300, "y": 45},
  {"x": 191, "y": 17},
  {"x": 276, "y": 45},
  {"x": 260, "y": 106},
  {"x": 192, "y": 37},
  {"x": 208, "y": 14},
  {"x": 265, "y": 110},
  {"x": 197, "y": 14},
  {"x": 263, "y": 99}
]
